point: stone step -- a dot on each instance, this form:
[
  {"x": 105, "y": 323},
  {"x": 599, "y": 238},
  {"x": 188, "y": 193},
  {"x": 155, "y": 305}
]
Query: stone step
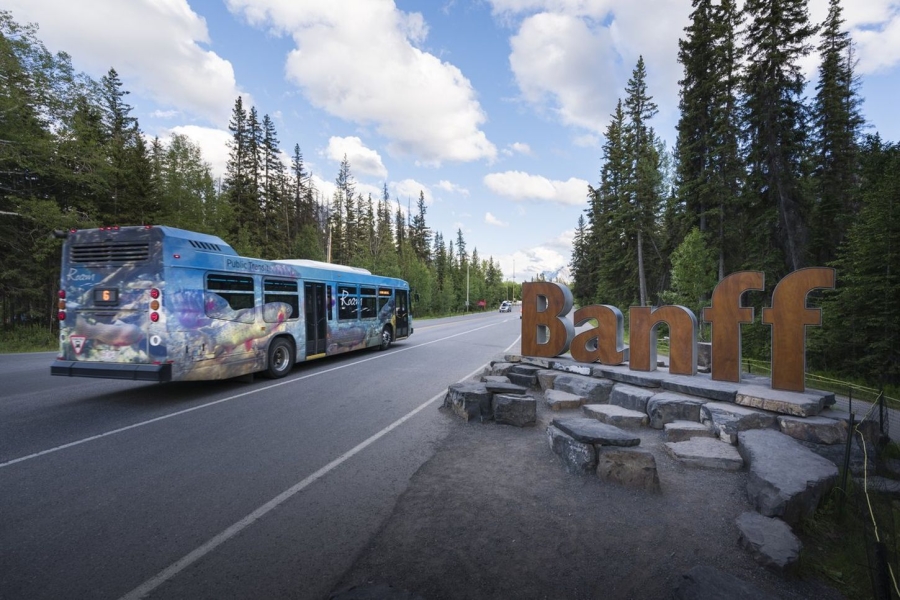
[
  {"x": 681, "y": 431},
  {"x": 615, "y": 415},
  {"x": 631, "y": 467},
  {"x": 631, "y": 397},
  {"x": 591, "y": 431},
  {"x": 545, "y": 378},
  {"x": 469, "y": 400},
  {"x": 728, "y": 419},
  {"x": 528, "y": 381},
  {"x": 577, "y": 457},
  {"x": 709, "y": 453},
  {"x": 819, "y": 430},
  {"x": 786, "y": 480},
  {"x": 558, "y": 400},
  {"x": 666, "y": 407},
  {"x": 807, "y": 404},
  {"x": 593, "y": 390}
]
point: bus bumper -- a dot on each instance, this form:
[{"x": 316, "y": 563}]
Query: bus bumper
[{"x": 70, "y": 368}]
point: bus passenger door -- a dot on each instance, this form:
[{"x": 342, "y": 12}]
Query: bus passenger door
[
  {"x": 402, "y": 299},
  {"x": 316, "y": 323}
]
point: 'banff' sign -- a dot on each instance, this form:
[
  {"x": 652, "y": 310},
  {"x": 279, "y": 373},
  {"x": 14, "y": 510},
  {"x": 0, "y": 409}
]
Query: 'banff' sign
[{"x": 546, "y": 332}]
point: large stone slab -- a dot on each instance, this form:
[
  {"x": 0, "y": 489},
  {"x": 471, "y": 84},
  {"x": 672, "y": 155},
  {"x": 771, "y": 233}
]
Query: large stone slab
[
  {"x": 728, "y": 419},
  {"x": 527, "y": 381},
  {"x": 709, "y": 583},
  {"x": 535, "y": 361},
  {"x": 494, "y": 379},
  {"x": 632, "y": 467},
  {"x": 819, "y": 430},
  {"x": 681, "y": 431},
  {"x": 505, "y": 387},
  {"x": 615, "y": 415},
  {"x": 593, "y": 390},
  {"x": 708, "y": 453},
  {"x": 631, "y": 397},
  {"x": 786, "y": 480},
  {"x": 623, "y": 374},
  {"x": 577, "y": 457},
  {"x": 666, "y": 407},
  {"x": 591, "y": 431},
  {"x": 524, "y": 369},
  {"x": 702, "y": 386},
  {"x": 469, "y": 400},
  {"x": 514, "y": 409},
  {"x": 770, "y": 541},
  {"x": 558, "y": 400},
  {"x": 779, "y": 401},
  {"x": 568, "y": 365}
]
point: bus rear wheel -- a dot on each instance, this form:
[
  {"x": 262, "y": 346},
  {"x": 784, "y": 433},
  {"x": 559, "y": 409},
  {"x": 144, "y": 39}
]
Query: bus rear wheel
[
  {"x": 386, "y": 338},
  {"x": 281, "y": 358}
]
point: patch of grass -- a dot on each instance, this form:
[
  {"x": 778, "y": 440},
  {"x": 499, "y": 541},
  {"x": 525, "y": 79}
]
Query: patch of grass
[{"x": 28, "y": 338}]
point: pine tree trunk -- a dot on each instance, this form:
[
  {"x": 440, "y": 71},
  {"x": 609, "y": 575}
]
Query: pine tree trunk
[{"x": 641, "y": 277}]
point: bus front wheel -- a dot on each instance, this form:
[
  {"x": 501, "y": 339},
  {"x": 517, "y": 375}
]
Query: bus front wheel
[
  {"x": 281, "y": 358},
  {"x": 386, "y": 338}
]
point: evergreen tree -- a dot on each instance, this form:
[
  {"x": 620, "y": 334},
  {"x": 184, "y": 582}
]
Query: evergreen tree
[
  {"x": 238, "y": 183},
  {"x": 837, "y": 121},
  {"x": 777, "y": 38}
]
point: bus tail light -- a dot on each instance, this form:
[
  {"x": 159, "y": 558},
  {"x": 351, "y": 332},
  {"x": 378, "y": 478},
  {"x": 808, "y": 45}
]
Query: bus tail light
[
  {"x": 154, "y": 316},
  {"x": 154, "y": 293},
  {"x": 61, "y": 315}
]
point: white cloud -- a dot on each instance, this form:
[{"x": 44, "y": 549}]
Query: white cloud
[
  {"x": 517, "y": 148},
  {"x": 492, "y": 220},
  {"x": 523, "y": 186},
  {"x": 362, "y": 159},
  {"x": 156, "y": 47},
  {"x": 359, "y": 60},
  {"x": 452, "y": 187},
  {"x": 164, "y": 114},
  {"x": 408, "y": 190},
  {"x": 213, "y": 144}
]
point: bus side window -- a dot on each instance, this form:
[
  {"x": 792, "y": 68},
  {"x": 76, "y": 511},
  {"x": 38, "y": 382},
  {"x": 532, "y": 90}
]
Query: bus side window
[
  {"x": 280, "y": 291},
  {"x": 229, "y": 297},
  {"x": 329, "y": 298},
  {"x": 368, "y": 306},
  {"x": 348, "y": 303}
]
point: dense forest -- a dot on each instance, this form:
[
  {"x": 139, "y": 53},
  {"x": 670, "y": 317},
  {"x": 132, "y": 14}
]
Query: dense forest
[
  {"x": 762, "y": 178},
  {"x": 73, "y": 156}
]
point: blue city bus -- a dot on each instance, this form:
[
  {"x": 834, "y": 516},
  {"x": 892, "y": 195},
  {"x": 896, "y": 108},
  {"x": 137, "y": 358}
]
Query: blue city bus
[{"x": 155, "y": 303}]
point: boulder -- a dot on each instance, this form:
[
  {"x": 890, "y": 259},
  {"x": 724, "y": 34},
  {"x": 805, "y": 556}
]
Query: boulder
[
  {"x": 469, "y": 400},
  {"x": 666, "y": 407},
  {"x": 729, "y": 419},
  {"x": 623, "y": 374},
  {"x": 770, "y": 541},
  {"x": 568, "y": 365},
  {"x": 545, "y": 378},
  {"x": 501, "y": 368},
  {"x": 558, "y": 400},
  {"x": 514, "y": 409},
  {"x": 494, "y": 379},
  {"x": 681, "y": 431},
  {"x": 709, "y": 583},
  {"x": 632, "y": 467},
  {"x": 786, "y": 479},
  {"x": 630, "y": 397},
  {"x": 707, "y": 453},
  {"x": 819, "y": 430},
  {"x": 527, "y": 381},
  {"x": 615, "y": 415},
  {"x": 577, "y": 457},
  {"x": 590, "y": 431},
  {"x": 595, "y": 391}
]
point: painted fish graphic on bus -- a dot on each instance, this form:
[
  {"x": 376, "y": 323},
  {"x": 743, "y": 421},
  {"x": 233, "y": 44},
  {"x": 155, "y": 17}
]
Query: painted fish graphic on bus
[
  {"x": 226, "y": 335},
  {"x": 112, "y": 334}
]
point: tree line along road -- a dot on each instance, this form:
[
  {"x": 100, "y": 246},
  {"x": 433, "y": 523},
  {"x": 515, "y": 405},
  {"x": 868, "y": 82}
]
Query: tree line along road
[{"x": 112, "y": 489}]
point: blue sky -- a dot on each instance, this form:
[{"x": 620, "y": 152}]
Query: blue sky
[{"x": 493, "y": 108}]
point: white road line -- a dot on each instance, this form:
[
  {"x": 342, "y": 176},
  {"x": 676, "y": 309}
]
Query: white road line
[
  {"x": 230, "y": 398},
  {"x": 187, "y": 560}
]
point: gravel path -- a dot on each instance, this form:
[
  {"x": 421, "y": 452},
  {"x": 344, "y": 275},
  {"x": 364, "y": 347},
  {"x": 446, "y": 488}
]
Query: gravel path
[{"x": 494, "y": 515}]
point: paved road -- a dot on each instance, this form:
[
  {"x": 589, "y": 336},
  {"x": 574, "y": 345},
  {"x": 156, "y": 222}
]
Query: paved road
[{"x": 219, "y": 490}]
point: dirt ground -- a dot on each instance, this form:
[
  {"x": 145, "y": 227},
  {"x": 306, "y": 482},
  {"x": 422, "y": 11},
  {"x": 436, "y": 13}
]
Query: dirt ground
[{"x": 495, "y": 515}]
